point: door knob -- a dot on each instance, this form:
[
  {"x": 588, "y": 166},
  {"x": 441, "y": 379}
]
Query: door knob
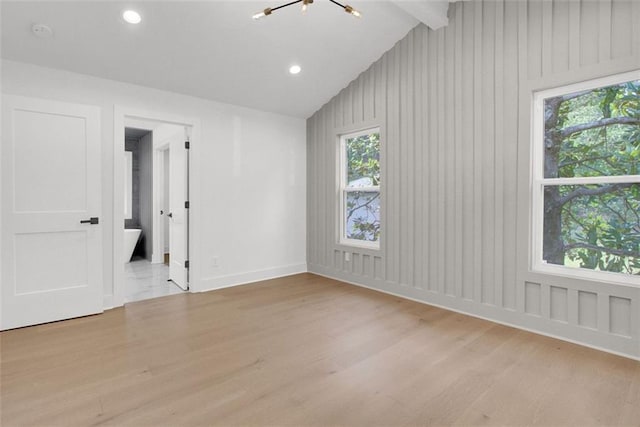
[
  {"x": 170, "y": 215},
  {"x": 93, "y": 220}
]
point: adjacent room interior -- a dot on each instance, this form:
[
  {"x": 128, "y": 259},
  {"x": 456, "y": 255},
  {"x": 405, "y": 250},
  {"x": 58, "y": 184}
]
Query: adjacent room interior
[
  {"x": 155, "y": 220},
  {"x": 389, "y": 212}
]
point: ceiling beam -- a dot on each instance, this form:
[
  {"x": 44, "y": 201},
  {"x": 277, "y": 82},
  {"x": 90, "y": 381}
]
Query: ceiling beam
[{"x": 432, "y": 13}]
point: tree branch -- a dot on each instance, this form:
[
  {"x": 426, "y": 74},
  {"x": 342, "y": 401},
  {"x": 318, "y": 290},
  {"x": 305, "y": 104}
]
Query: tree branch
[
  {"x": 568, "y": 211},
  {"x": 364, "y": 205},
  {"x": 619, "y": 252},
  {"x": 582, "y": 191},
  {"x": 603, "y": 173},
  {"x": 632, "y": 210},
  {"x": 578, "y": 162},
  {"x": 615, "y": 212},
  {"x": 568, "y": 131},
  {"x": 574, "y": 95}
]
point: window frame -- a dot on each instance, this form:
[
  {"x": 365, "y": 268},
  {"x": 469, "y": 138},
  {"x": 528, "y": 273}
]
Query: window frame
[
  {"x": 343, "y": 188},
  {"x": 538, "y": 183}
]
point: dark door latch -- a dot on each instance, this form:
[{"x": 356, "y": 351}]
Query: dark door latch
[{"x": 93, "y": 220}]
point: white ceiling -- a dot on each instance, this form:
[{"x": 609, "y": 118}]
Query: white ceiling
[{"x": 211, "y": 49}]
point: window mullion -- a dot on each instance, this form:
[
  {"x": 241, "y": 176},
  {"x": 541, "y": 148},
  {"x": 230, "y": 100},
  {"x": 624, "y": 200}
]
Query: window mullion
[{"x": 591, "y": 180}]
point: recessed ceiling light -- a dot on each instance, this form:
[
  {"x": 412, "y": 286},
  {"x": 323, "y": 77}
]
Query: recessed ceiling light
[
  {"x": 131, "y": 16},
  {"x": 295, "y": 69}
]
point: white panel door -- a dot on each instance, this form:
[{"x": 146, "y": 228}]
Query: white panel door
[
  {"x": 178, "y": 219},
  {"x": 51, "y": 262}
]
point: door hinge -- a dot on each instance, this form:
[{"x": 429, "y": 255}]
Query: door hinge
[
  {"x": 186, "y": 205},
  {"x": 186, "y": 145},
  {"x": 186, "y": 264}
]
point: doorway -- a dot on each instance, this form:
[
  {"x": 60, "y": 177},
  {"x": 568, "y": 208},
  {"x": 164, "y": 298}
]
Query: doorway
[
  {"x": 155, "y": 182},
  {"x": 150, "y": 218}
]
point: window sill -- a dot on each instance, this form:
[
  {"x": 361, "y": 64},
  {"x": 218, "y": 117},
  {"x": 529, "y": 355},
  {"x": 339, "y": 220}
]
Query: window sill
[
  {"x": 618, "y": 279},
  {"x": 360, "y": 245}
]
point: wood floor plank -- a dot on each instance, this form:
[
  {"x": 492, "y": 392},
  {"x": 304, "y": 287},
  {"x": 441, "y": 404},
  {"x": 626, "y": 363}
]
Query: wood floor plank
[{"x": 304, "y": 350}]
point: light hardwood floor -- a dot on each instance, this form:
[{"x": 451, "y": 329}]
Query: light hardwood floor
[{"x": 304, "y": 350}]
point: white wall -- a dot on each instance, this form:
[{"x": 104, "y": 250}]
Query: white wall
[
  {"x": 252, "y": 181},
  {"x": 455, "y": 109}
]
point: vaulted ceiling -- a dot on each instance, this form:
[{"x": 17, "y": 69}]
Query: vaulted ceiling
[{"x": 213, "y": 49}]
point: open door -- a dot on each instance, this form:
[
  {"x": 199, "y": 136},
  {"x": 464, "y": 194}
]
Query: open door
[
  {"x": 178, "y": 215},
  {"x": 51, "y": 225}
]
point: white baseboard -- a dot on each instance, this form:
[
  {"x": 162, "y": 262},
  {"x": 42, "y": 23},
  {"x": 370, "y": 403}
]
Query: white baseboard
[
  {"x": 490, "y": 319},
  {"x": 107, "y": 302},
  {"x": 220, "y": 282}
]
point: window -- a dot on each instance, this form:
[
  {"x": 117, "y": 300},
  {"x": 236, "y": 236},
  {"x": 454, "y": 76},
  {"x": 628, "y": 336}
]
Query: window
[
  {"x": 586, "y": 179},
  {"x": 360, "y": 188}
]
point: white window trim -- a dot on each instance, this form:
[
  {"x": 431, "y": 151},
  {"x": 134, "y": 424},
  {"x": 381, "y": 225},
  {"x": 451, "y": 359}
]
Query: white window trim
[
  {"x": 343, "y": 189},
  {"x": 539, "y": 182}
]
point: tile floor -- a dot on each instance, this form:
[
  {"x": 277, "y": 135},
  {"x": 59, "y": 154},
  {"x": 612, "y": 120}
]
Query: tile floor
[{"x": 144, "y": 280}]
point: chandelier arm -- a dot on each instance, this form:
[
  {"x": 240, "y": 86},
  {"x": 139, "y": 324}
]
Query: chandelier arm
[
  {"x": 269, "y": 10},
  {"x": 285, "y": 5},
  {"x": 335, "y": 2}
]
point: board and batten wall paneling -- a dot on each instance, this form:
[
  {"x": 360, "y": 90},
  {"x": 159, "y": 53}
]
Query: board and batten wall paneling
[{"x": 454, "y": 109}]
